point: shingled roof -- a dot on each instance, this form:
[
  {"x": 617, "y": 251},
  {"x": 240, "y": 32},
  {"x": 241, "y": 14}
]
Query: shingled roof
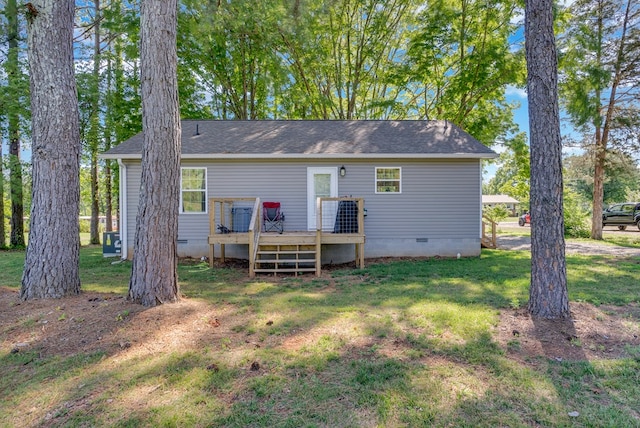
[{"x": 275, "y": 139}]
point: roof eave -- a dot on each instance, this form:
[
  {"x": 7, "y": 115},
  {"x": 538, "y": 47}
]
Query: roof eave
[{"x": 319, "y": 156}]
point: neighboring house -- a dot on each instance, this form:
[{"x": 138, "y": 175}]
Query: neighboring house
[
  {"x": 510, "y": 203},
  {"x": 420, "y": 181}
]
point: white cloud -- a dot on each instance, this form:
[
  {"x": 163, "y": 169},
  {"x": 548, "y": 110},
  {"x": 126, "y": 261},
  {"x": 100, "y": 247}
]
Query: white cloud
[{"x": 516, "y": 92}]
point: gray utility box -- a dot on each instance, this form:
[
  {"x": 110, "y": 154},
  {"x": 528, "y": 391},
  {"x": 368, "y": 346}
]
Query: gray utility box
[
  {"x": 241, "y": 217},
  {"x": 111, "y": 244}
]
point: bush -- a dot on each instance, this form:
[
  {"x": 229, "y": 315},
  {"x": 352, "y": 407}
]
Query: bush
[
  {"x": 85, "y": 226},
  {"x": 576, "y": 224},
  {"x": 496, "y": 213}
]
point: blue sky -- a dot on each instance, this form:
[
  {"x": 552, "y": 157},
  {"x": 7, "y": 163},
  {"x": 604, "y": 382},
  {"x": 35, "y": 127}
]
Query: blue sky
[{"x": 521, "y": 118}]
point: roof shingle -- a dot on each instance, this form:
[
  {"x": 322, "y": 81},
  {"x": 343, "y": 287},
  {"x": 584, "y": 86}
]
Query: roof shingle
[{"x": 318, "y": 138}]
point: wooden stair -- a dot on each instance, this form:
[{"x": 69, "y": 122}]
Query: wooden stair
[
  {"x": 286, "y": 258},
  {"x": 489, "y": 240}
]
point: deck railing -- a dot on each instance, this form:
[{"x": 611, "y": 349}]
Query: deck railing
[
  {"x": 489, "y": 240},
  {"x": 339, "y": 220},
  {"x": 255, "y": 226},
  {"x": 340, "y": 214},
  {"x": 221, "y": 214},
  {"x": 343, "y": 216}
]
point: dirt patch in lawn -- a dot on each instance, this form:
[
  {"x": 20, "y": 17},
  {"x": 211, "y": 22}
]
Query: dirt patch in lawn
[
  {"x": 109, "y": 323},
  {"x": 593, "y": 332}
]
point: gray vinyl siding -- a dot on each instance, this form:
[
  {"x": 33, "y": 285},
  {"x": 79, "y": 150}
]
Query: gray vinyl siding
[
  {"x": 440, "y": 199},
  {"x": 134, "y": 174}
]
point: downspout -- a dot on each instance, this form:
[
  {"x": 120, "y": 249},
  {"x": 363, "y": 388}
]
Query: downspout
[
  {"x": 480, "y": 219},
  {"x": 123, "y": 209}
]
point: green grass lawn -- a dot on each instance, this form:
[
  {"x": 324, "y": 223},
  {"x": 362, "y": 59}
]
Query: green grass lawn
[{"x": 407, "y": 343}]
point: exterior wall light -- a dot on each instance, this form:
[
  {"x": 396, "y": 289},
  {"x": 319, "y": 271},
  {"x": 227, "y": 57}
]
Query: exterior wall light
[{"x": 343, "y": 171}]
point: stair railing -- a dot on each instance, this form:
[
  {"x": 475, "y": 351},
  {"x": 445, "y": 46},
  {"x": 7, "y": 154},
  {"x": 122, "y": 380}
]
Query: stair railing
[{"x": 255, "y": 226}]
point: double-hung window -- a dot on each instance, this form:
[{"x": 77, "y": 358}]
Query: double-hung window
[
  {"x": 388, "y": 180},
  {"x": 193, "y": 190}
]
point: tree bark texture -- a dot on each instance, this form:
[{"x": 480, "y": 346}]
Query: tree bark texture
[
  {"x": 154, "y": 278},
  {"x": 548, "y": 297},
  {"x": 51, "y": 263}
]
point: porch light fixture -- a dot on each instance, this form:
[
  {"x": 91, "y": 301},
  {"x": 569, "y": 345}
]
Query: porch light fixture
[{"x": 343, "y": 171}]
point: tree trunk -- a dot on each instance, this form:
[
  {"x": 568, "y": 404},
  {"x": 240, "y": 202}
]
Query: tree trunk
[
  {"x": 51, "y": 262},
  {"x": 598, "y": 186},
  {"x": 602, "y": 136},
  {"x": 108, "y": 183},
  {"x": 548, "y": 297},
  {"x": 94, "y": 226},
  {"x": 3, "y": 232},
  {"x": 154, "y": 277},
  {"x": 94, "y": 133},
  {"x": 15, "y": 166}
]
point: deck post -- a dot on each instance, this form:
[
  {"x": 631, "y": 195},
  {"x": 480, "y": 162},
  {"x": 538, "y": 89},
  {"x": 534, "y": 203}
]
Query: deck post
[
  {"x": 318, "y": 236},
  {"x": 252, "y": 258},
  {"x": 493, "y": 235},
  {"x": 360, "y": 247},
  {"x": 254, "y": 235},
  {"x": 212, "y": 229}
]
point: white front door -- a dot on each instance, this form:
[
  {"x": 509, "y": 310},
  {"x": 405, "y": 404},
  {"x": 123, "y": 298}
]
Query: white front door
[{"x": 321, "y": 182}]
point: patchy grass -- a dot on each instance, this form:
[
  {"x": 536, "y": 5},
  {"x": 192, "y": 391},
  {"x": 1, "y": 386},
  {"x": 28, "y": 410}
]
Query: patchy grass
[
  {"x": 629, "y": 238},
  {"x": 401, "y": 343}
]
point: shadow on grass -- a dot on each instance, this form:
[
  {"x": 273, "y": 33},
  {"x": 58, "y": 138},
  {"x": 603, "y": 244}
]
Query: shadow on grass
[{"x": 405, "y": 343}]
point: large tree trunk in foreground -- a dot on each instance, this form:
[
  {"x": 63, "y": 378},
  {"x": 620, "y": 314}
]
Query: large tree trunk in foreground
[
  {"x": 51, "y": 263},
  {"x": 548, "y": 296},
  {"x": 154, "y": 276}
]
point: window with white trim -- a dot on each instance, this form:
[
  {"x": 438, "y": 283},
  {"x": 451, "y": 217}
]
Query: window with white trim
[
  {"x": 193, "y": 190},
  {"x": 388, "y": 180}
]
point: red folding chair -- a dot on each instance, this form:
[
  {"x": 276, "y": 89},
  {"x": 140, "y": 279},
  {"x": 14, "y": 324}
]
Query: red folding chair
[{"x": 272, "y": 217}]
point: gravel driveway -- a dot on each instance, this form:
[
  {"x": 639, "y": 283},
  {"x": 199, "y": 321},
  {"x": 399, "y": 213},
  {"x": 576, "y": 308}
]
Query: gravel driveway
[{"x": 509, "y": 242}]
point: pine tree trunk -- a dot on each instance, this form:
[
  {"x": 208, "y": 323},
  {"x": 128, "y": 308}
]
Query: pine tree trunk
[
  {"x": 15, "y": 166},
  {"x": 154, "y": 277},
  {"x": 108, "y": 193},
  {"x": 94, "y": 231},
  {"x": 548, "y": 297},
  {"x": 51, "y": 263},
  {"x": 602, "y": 136},
  {"x": 108, "y": 137},
  {"x": 3, "y": 232},
  {"x": 598, "y": 187}
]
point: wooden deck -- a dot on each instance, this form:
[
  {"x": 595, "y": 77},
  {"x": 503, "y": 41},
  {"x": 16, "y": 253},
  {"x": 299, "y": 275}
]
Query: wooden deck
[{"x": 292, "y": 252}]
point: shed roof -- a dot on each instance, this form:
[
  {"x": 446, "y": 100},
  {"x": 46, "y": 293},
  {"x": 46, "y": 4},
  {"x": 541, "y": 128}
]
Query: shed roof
[
  {"x": 278, "y": 139},
  {"x": 499, "y": 199}
]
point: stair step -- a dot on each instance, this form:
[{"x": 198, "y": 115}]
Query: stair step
[
  {"x": 285, "y": 252},
  {"x": 285, "y": 258},
  {"x": 270, "y": 264},
  {"x": 284, "y": 270},
  {"x": 287, "y": 247}
]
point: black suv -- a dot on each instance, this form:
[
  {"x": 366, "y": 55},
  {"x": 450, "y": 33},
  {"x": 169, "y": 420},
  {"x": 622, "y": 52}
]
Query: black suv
[{"x": 622, "y": 215}]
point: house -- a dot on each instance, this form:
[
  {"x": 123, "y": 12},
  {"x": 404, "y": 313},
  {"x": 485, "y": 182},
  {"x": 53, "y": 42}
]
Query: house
[
  {"x": 510, "y": 203},
  {"x": 419, "y": 181}
]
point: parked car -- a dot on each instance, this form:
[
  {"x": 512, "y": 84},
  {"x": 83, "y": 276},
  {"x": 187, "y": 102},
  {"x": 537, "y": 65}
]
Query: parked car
[
  {"x": 524, "y": 219},
  {"x": 622, "y": 215}
]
